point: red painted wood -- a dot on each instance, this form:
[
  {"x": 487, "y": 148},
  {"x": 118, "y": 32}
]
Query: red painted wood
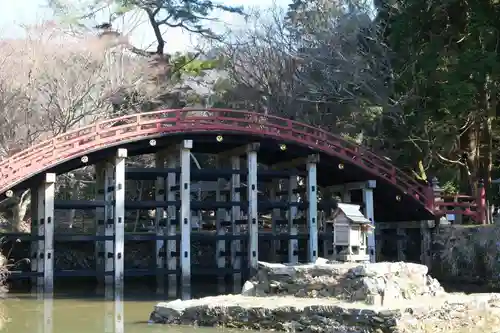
[{"x": 81, "y": 141}]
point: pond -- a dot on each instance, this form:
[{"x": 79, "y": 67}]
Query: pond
[{"x": 85, "y": 310}]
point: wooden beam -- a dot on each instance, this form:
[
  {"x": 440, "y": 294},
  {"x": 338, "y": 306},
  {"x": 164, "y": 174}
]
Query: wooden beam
[
  {"x": 354, "y": 186},
  {"x": 404, "y": 225},
  {"x": 240, "y": 151}
]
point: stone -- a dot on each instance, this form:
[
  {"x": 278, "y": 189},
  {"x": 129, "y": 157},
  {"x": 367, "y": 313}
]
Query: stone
[
  {"x": 346, "y": 281},
  {"x": 248, "y": 289},
  {"x": 271, "y": 313},
  {"x": 321, "y": 261},
  {"x": 292, "y": 314},
  {"x": 329, "y": 297}
]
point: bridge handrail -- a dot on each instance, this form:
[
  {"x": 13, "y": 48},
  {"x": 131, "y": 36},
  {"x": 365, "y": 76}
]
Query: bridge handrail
[{"x": 110, "y": 131}]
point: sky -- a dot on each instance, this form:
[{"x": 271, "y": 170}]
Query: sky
[{"x": 16, "y": 13}]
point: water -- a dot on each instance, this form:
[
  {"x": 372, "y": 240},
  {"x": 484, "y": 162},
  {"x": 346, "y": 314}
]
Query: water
[{"x": 83, "y": 312}]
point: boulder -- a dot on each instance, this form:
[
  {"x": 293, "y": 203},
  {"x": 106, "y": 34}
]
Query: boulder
[{"x": 372, "y": 283}]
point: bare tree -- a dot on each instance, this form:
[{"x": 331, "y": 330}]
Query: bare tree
[
  {"x": 322, "y": 64},
  {"x": 51, "y": 83}
]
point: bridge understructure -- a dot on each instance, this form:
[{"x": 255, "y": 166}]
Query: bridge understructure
[{"x": 263, "y": 194}]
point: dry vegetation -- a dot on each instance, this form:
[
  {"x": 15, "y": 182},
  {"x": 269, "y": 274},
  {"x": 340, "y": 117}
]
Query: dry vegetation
[
  {"x": 4, "y": 274},
  {"x": 52, "y": 82}
]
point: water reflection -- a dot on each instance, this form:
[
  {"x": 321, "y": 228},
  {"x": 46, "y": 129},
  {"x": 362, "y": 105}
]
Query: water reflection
[
  {"x": 45, "y": 305},
  {"x": 81, "y": 308},
  {"x": 82, "y": 312},
  {"x": 113, "y": 312}
]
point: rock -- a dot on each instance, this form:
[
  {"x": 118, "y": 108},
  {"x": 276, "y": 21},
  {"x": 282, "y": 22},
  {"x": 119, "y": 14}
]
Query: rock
[
  {"x": 248, "y": 289},
  {"x": 321, "y": 261},
  {"x": 170, "y": 310},
  {"x": 292, "y": 314},
  {"x": 272, "y": 313},
  {"x": 346, "y": 281},
  {"x": 338, "y": 297}
]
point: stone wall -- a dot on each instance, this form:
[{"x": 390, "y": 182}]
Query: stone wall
[
  {"x": 334, "y": 297},
  {"x": 379, "y": 283},
  {"x": 467, "y": 254}
]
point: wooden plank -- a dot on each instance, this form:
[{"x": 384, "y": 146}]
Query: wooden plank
[{"x": 404, "y": 225}]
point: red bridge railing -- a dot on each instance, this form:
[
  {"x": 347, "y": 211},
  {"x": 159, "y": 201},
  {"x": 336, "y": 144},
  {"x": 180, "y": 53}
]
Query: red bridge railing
[
  {"x": 466, "y": 205},
  {"x": 84, "y": 140}
]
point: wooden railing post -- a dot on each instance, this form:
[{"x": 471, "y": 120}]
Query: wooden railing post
[
  {"x": 434, "y": 194},
  {"x": 481, "y": 202}
]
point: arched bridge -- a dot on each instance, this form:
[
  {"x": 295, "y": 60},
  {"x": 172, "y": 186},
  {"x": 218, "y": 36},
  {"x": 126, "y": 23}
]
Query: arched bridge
[{"x": 398, "y": 196}]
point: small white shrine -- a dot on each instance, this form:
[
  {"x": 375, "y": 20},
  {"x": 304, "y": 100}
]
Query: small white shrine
[{"x": 350, "y": 233}]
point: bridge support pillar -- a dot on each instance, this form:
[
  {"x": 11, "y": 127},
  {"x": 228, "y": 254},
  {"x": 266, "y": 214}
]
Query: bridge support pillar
[
  {"x": 104, "y": 192},
  {"x": 100, "y": 212},
  {"x": 293, "y": 244},
  {"x": 253, "y": 214},
  {"x": 171, "y": 246},
  {"x": 185, "y": 189},
  {"x": 401, "y": 243},
  {"x": 221, "y": 217},
  {"x": 346, "y": 195},
  {"x": 159, "y": 251},
  {"x": 49, "y": 190},
  {"x": 119, "y": 219},
  {"x": 236, "y": 229},
  {"x": 35, "y": 226},
  {"x": 426, "y": 242},
  {"x": 109, "y": 195},
  {"x": 312, "y": 211},
  {"x": 42, "y": 210},
  {"x": 369, "y": 213},
  {"x": 274, "y": 196}
]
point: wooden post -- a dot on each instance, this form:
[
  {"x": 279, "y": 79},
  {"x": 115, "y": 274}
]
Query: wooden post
[
  {"x": 401, "y": 243},
  {"x": 35, "y": 225},
  {"x": 369, "y": 213},
  {"x": 312, "y": 211},
  {"x": 235, "y": 216},
  {"x": 100, "y": 215},
  {"x": 171, "y": 254},
  {"x": 119, "y": 218},
  {"x": 185, "y": 154},
  {"x": 426, "y": 243},
  {"x": 253, "y": 213},
  {"x": 48, "y": 207},
  {"x": 159, "y": 227},
  {"x": 109, "y": 213},
  {"x": 221, "y": 217},
  {"x": 378, "y": 244},
  {"x": 275, "y": 215},
  {"x": 293, "y": 244}
]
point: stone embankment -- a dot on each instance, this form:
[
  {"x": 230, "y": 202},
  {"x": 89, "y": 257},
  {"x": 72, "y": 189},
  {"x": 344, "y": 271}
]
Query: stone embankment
[{"x": 336, "y": 297}]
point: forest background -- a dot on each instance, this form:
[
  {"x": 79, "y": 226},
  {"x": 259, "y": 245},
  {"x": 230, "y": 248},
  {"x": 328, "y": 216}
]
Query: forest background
[{"x": 416, "y": 81}]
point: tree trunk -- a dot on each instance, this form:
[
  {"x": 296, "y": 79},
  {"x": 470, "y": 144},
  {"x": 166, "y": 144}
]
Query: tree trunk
[
  {"x": 489, "y": 104},
  {"x": 468, "y": 144},
  {"x": 19, "y": 211}
]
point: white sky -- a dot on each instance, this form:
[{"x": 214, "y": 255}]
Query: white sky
[{"x": 14, "y": 13}]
